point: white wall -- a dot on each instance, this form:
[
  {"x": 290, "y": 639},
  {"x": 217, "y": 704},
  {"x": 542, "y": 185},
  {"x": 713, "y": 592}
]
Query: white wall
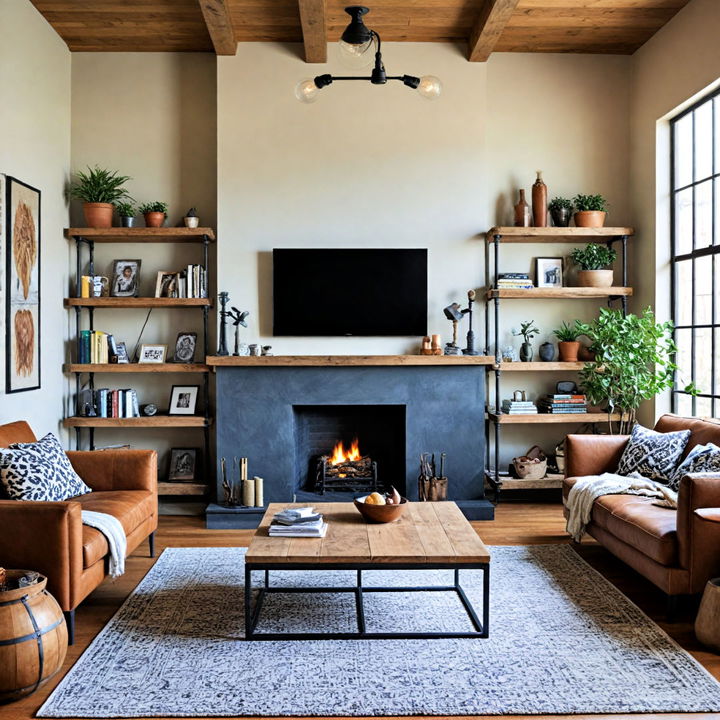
[{"x": 35, "y": 127}]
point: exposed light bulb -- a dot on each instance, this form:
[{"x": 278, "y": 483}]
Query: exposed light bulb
[
  {"x": 356, "y": 56},
  {"x": 307, "y": 91},
  {"x": 430, "y": 87}
]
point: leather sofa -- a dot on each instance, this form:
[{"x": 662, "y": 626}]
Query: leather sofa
[
  {"x": 677, "y": 550},
  {"x": 49, "y": 536}
]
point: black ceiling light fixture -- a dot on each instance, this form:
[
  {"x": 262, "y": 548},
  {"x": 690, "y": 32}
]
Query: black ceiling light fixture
[{"x": 356, "y": 45}]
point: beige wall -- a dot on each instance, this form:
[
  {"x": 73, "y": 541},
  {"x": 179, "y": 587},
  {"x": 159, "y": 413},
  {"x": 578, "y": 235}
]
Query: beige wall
[{"x": 35, "y": 148}]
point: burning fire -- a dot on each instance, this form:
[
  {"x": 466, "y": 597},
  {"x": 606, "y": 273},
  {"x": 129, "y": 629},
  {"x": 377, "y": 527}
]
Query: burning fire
[{"x": 341, "y": 455}]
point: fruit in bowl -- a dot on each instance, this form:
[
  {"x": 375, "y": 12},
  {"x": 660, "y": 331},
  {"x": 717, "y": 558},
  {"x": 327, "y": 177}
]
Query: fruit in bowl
[{"x": 377, "y": 507}]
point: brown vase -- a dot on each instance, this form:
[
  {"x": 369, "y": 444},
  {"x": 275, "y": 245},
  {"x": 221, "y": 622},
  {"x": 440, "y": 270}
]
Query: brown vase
[
  {"x": 569, "y": 351},
  {"x": 590, "y": 218},
  {"x": 154, "y": 219},
  {"x": 522, "y": 212},
  {"x": 98, "y": 215},
  {"x": 539, "y": 201}
]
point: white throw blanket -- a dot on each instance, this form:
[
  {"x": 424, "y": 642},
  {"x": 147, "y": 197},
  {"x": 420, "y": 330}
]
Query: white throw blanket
[
  {"x": 113, "y": 531},
  {"x": 589, "y": 488}
]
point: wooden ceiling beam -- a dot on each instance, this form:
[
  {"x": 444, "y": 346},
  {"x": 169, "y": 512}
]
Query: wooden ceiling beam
[
  {"x": 219, "y": 25},
  {"x": 312, "y": 18},
  {"x": 494, "y": 16}
]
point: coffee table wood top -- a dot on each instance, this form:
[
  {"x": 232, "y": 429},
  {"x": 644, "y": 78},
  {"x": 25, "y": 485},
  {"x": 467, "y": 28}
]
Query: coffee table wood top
[{"x": 427, "y": 533}]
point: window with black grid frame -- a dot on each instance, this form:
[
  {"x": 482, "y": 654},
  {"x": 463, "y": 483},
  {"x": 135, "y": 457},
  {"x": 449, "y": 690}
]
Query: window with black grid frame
[{"x": 695, "y": 255}]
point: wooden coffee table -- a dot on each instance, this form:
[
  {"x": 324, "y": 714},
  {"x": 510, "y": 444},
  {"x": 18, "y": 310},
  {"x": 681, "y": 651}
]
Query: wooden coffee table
[{"x": 428, "y": 536}]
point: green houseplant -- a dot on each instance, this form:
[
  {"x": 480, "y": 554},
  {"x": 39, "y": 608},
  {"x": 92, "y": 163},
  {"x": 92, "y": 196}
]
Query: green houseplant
[
  {"x": 568, "y": 343},
  {"x": 561, "y": 211},
  {"x": 99, "y": 190},
  {"x": 528, "y": 332},
  {"x": 126, "y": 213},
  {"x": 593, "y": 261},
  {"x": 590, "y": 210},
  {"x": 154, "y": 213}
]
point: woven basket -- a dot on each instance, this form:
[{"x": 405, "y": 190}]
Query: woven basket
[{"x": 532, "y": 465}]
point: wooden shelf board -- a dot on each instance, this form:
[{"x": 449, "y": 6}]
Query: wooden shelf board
[
  {"x": 564, "y": 292},
  {"x": 142, "y": 234},
  {"x": 137, "y": 422},
  {"x": 556, "y": 419},
  {"x": 136, "y": 368},
  {"x": 512, "y": 234},
  {"x": 137, "y": 302},
  {"x": 551, "y": 481},
  {"x": 347, "y": 360},
  {"x": 182, "y": 488},
  {"x": 539, "y": 366}
]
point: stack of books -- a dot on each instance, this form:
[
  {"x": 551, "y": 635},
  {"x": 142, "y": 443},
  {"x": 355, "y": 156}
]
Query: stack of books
[
  {"x": 116, "y": 403},
  {"x": 298, "y": 522},
  {"x": 96, "y": 347},
  {"x": 514, "y": 281},
  {"x": 519, "y": 407},
  {"x": 558, "y": 403}
]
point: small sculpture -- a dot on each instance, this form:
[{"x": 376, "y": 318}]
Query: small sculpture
[
  {"x": 149, "y": 410},
  {"x": 267, "y": 350},
  {"x": 222, "y": 345},
  {"x": 454, "y": 313},
  {"x": 470, "y": 349},
  {"x": 191, "y": 218},
  {"x": 238, "y": 319}
]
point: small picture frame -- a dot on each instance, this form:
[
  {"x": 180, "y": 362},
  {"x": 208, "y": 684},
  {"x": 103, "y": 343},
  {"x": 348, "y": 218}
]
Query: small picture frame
[
  {"x": 185, "y": 347},
  {"x": 549, "y": 272},
  {"x": 183, "y": 399},
  {"x": 183, "y": 465},
  {"x": 152, "y": 354},
  {"x": 99, "y": 286},
  {"x": 126, "y": 278},
  {"x": 166, "y": 284},
  {"x": 122, "y": 353}
]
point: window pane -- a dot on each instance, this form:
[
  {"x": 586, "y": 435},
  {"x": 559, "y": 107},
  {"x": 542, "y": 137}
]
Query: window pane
[
  {"x": 703, "y": 141},
  {"x": 703, "y": 214},
  {"x": 716, "y": 390},
  {"x": 703, "y": 290},
  {"x": 717, "y": 134},
  {"x": 684, "y": 404},
  {"x": 683, "y": 222},
  {"x": 684, "y": 357},
  {"x": 716, "y": 185},
  {"x": 703, "y": 407},
  {"x": 703, "y": 361},
  {"x": 683, "y": 292},
  {"x": 683, "y": 151}
]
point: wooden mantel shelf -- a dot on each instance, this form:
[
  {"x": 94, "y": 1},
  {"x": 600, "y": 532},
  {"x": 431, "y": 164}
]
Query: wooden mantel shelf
[
  {"x": 556, "y": 234},
  {"x": 347, "y": 360}
]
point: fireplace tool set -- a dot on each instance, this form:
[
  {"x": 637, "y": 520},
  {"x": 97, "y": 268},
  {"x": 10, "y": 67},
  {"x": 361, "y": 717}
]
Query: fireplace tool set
[
  {"x": 431, "y": 486},
  {"x": 243, "y": 492}
]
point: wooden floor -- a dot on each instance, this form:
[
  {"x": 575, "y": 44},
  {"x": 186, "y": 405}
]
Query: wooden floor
[{"x": 515, "y": 524}]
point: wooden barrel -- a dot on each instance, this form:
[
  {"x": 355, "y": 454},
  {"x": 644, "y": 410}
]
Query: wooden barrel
[{"x": 33, "y": 638}]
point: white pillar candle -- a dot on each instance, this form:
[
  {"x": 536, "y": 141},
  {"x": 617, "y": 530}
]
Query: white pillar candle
[
  {"x": 259, "y": 498},
  {"x": 249, "y": 493}
]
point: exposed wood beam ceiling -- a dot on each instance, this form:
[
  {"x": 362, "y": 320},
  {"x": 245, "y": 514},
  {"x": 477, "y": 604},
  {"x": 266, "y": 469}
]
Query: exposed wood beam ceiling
[{"x": 582, "y": 26}]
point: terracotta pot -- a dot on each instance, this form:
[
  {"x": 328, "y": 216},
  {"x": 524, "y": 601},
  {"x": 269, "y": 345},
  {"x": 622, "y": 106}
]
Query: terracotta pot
[
  {"x": 98, "y": 215},
  {"x": 569, "y": 351},
  {"x": 154, "y": 219},
  {"x": 590, "y": 218},
  {"x": 595, "y": 278}
]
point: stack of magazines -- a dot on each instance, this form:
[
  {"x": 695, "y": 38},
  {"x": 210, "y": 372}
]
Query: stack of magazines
[
  {"x": 514, "y": 281},
  {"x": 298, "y": 522},
  {"x": 560, "y": 403},
  {"x": 519, "y": 407}
]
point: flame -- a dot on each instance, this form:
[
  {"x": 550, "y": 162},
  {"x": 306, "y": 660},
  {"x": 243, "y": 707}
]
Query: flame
[{"x": 341, "y": 455}]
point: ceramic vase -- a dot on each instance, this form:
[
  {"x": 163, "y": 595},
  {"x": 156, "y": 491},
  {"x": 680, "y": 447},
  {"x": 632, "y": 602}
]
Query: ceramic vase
[
  {"x": 560, "y": 216},
  {"x": 126, "y": 221},
  {"x": 547, "y": 352},
  {"x": 539, "y": 201},
  {"x": 526, "y": 352},
  {"x": 522, "y": 212}
]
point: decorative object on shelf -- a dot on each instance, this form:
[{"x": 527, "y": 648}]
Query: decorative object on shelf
[
  {"x": 183, "y": 465},
  {"x": 432, "y": 487},
  {"x": 126, "y": 212},
  {"x": 152, "y": 354},
  {"x": 232, "y": 491},
  {"x": 259, "y": 491},
  {"x": 532, "y": 465},
  {"x": 560, "y": 457},
  {"x": 522, "y": 211},
  {"x": 563, "y": 403},
  {"x": 547, "y": 352},
  {"x": 528, "y": 330},
  {"x": 86, "y": 404},
  {"x": 154, "y": 213},
  {"x": 568, "y": 344},
  {"x": 539, "y": 201},
  {"x": 561, "y": 211},
  {"x": 519, "y": 404},
  {"x": 426, "y": 348},
  {"x": 509, "y": 354},
  {"x": 590, "y": 210},
  {"x": 454, "y": 313},
  {"x": 166, "y": 284},
  {"x": 707, "y": 622},
  {"x": 98, "y": 286},
  {"x": 185, "y": 347},
  {"x": 183, "y": 399},
  {"x": 549, "y": 272},
  {"x": 267, "y": 351},
  {"x": 223, "y": 297},
  {"x": 514, "y": 281},
  {"x": 238, "y": 317},
  {"x": 431, "y": 345},
  {"x": 593, "y": 260},
  {"x": 191, "y": 218},
  {"x": 470, "y": 337},
  {"x": 99, "y": 189},
  {"x": 122, "y": 354},
  {"x": 126, "y": 278},
  {"x": 21, "y": 237},
  {"x": 149, "y": 410},
  {"x": 356, "y": 49},
  {"x": 254, "y": 350}
]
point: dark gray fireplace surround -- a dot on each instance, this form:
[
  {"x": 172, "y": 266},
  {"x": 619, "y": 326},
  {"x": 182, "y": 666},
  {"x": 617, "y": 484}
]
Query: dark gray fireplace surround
[{"x": 257, "y": 417}]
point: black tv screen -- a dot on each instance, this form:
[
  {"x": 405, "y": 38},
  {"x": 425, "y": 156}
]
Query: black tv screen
[{"x": 349, "y": 292}]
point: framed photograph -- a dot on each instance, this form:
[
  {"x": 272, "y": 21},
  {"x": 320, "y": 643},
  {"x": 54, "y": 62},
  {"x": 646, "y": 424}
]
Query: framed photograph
[
  {"x": 549, "y": 272},
  {"x": 183, "y": 465},
  {"x": 183, "y": 399},
  {"x": 185, "y": 347},
  {"x": 126, "y": 278},
  {"x": 152, "y": 353},
  {"x": 122, "y": 353},
  {"x": 21, "y": 241},
  {"x": 166, "y": 284}
]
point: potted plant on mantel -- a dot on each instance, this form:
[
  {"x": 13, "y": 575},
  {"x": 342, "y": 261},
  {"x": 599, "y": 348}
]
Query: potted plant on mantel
[
  {"x": 154, "y": 213},
  {"x": 99, "y": 190},
  {"x": 590, "y": 211},
  {"x": 568, "y": 343},
  {"x": 593, "y": 261},
  {"x": 560, "y": 211},
  {"x": 126, "y": 213}
]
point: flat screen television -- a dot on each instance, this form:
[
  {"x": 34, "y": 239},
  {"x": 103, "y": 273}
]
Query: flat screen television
[{"x": 349, "y": 292}]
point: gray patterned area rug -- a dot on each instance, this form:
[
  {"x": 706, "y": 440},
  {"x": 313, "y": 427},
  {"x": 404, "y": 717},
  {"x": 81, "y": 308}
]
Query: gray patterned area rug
[{"x": 562, "y": 640}]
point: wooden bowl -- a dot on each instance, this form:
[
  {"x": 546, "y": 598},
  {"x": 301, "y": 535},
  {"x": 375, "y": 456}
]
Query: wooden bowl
[{"x": 381, "y": 513}]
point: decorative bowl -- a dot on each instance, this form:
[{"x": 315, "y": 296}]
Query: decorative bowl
[{"x": 381, "y": 513}]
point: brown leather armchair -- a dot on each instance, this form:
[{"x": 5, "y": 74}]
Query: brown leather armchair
[
  {"x": 49, "y": 536},
  {"x": 677, "y": 550}
]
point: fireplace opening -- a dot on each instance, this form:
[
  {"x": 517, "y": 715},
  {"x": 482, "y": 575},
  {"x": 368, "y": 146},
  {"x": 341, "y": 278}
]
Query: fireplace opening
[{"x": 345, "y": 450}]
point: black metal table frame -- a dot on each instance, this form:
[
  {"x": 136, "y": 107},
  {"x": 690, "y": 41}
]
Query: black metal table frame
[{"x": 252, "y": 613}]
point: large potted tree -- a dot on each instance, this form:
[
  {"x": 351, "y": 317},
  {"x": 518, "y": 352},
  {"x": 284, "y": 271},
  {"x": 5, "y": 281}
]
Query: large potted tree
[{"x": 99, "y": 190}]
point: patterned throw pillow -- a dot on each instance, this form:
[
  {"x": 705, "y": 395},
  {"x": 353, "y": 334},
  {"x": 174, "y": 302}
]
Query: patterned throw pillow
[
  {"x": 652, "y": 454},
  {"x": 39, "y": 471},
  {"x": 701, "y": 459}
]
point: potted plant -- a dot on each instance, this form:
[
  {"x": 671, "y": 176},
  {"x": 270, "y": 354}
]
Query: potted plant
[
  {"x": 154, "y": 213},
  {"x": 568, "y": 343},
  {"x": 528, "y": 332},
  {"x": 560, "y": 211},
  {"x": 191, "y": 218},
  {"x": 99, "y": 189},
  {"x": 594, "y": 260},
  {"x": 590, "y": 210},
  {"x": 126, "y": 213}
]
